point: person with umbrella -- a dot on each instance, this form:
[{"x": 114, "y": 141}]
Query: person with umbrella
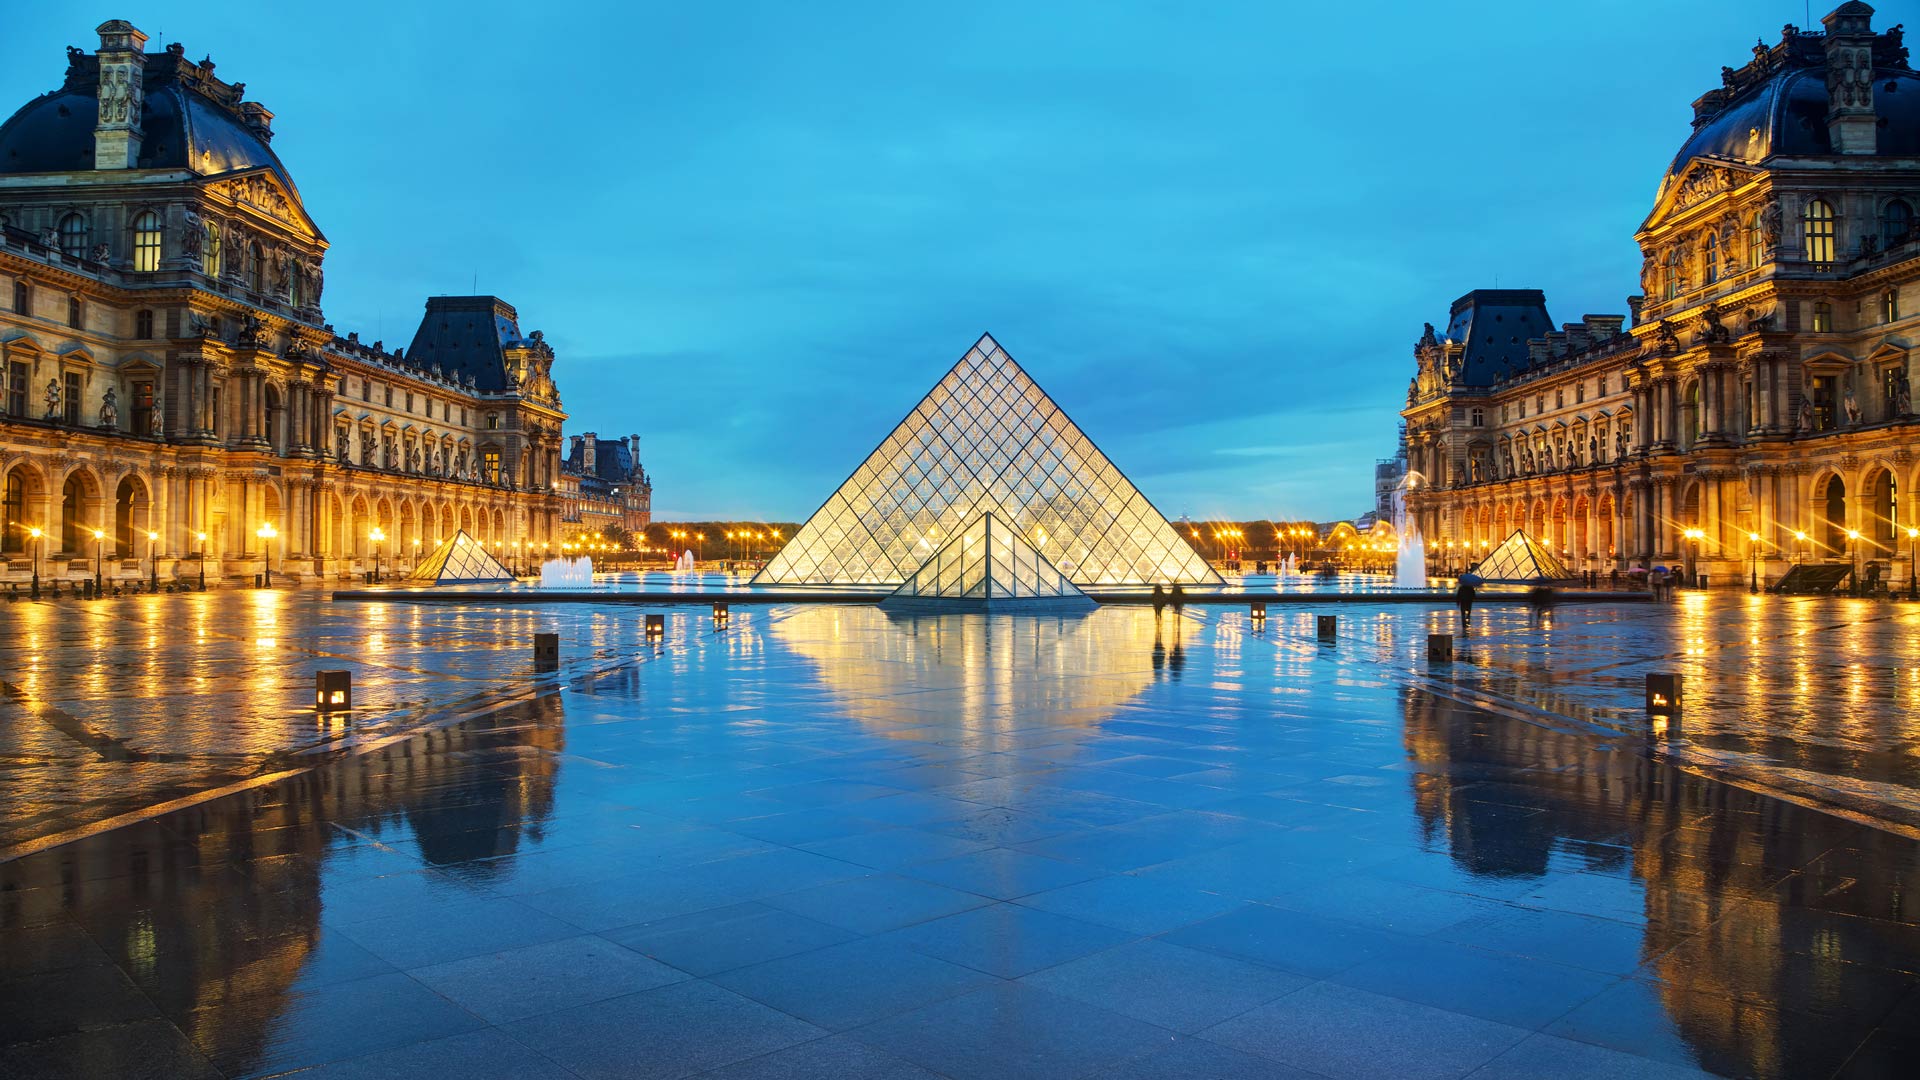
[{"x": 1463, "y": 594}]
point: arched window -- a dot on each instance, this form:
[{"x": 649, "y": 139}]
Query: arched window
[
  {"x": 73, "y": 235},
  {"x": 1670, "y": 282},
  {"x": 1710, "y": 250},
  {"x": 256, "y": 267},
  {"x": 146, "y": 242},
  {"x": 210, "y": 251},
  {"x": 1895, "y": 220},
  {"x": 1817, "y": 224}
]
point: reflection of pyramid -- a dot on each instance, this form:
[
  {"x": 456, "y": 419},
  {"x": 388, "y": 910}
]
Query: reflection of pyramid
[
  {"x": 1520, "y": 560},
  {"x": 988, "y": 565},
  {"x": 987, "y": 439},
  {"x": 458, "y": 560}
]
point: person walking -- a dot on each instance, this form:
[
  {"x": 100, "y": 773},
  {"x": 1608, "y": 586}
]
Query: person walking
[
  {"x": 1159, "y": 599},
  {"x": 1179, "y": 598},
  {"x": 1463, "y": 595}
]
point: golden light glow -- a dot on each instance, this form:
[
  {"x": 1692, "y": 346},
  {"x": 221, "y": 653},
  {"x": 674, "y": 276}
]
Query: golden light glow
[
  {"x": 267, "y": 531},
  {"x": 35, "y": 533},
  {"x": 377, "y": 534}
]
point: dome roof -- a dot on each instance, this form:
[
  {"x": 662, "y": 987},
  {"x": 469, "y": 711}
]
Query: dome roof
[
  {"x": 182, "y": 127},
  {"x": 1786, "y": 116}
]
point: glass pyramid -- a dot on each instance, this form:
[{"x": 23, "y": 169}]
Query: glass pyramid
[
  {"x": 458, "y": 560},
  {"x": 1521, "y": 560},
  {"x": 987, "y": 439},
  {"x": 987, "y": 564}
]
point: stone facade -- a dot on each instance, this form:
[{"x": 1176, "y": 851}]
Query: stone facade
[
  {"x": 604, "y": 487},
  {"x": 170, "y": 380},
  {"x": 1758, "y": 413}
]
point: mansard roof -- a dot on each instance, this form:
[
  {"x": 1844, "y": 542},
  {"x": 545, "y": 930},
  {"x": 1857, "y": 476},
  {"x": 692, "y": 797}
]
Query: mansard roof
[
  {"x": 190, "y": 120},
  {"x": 1494, "y": 325},
  {"x": 467, "y": 336}
]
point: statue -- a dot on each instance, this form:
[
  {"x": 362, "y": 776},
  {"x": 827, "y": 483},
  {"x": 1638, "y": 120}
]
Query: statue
[
  {"x": 100, "y": 253},
  {"x": 1852, "y": 406},
  {"x": 250, "y": 332},
  {"x": 155, "y": 421},
  {"x": 109, "y": 410},
  {"x": 1593, "y": 448},
  {"x": 1803, "y": 424},
  {"x": 49, "y": 237},
  {"x": 1665, "y": 337},
  {"x": 191, "y": 233},
  {"x": 53, "y": 398},
  {"x": 1770, "y": 223},
  {"x": 1711, "y": 328},
  {"x": 1902, "y": 396},
  {"x": 414, "y": 464}
]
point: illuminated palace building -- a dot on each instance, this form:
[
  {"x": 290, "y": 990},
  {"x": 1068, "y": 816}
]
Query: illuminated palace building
[
  {"x": 1758, "y": 412},
  {"x": 170, "y": 380}
]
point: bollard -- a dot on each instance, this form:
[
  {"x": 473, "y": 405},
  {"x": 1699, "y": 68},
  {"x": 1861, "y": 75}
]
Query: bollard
[
  {"x": 1329, "y": 626},
  {"x": 1440, "y": 648},
  {"x": 1258, "y": 610},
  {"x": 332, "y": 691},
  {"x": 656, "y": 627},
  {"x": 546, "y": 652},
  {"x": 720, "y": 616},
  {"x": 256, "y": 581},
  {"x": 1663, "y": 702}
]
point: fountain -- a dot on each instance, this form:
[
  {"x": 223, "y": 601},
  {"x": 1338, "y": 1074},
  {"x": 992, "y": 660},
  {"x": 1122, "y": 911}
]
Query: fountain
[
  {"x": 567, "y": 573},
  {"x": 1410, "y": 565},
  {"x": 684, "y": 564}
]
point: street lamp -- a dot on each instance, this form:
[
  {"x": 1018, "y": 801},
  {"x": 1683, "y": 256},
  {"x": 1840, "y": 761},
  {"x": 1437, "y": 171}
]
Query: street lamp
[
  {"x": 153, "y": 561},
  {"x": 378, "y": 536},
  {"x": 1693, "y": 554},
  {"x": 202, "y": 537},
  {"x": 99, "y": 543},
  {"x": 416, "y": 551},
  {"x": 1753, "y": 558},
  {"x": 1853, "y": 553},
  {"x": 1799, "y": 541},
  {"x": 35, "y": 535},
  {"x": 266, "y": 533},
  {"x": 1913, "y": 561}
]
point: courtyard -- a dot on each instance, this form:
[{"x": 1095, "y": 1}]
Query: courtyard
[{"x": 830, "y": 841}]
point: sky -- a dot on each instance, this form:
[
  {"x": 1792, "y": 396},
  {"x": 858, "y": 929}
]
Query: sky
[{"x": 757, "y": 233}]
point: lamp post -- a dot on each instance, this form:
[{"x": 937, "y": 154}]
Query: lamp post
[
  {"x": 1693, "y": 554},
  {"x": 1913, "y": 562},
  {"x": 202, "y": 537},
  {"x": 35, "y": 535},
  {"x": 266, "y": 533},
  {"x": 1799, "y": 542},
  {"x": 378, "y": 536},
  {"x": 99, "y": 544},
  {"x": 153, "y": 562},
  {"x": 1853, "y": 556},
  {"x": 1753, "y": 560}
]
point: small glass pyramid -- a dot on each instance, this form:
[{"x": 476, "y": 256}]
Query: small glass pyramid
[
  {"x": 458, "y": 560},
  {"x": 988, "y": 564},
  {"x": 987, "y": 439},
  {"x": 1521, "y": 560}
]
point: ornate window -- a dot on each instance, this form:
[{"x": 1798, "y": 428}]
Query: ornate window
[
  {"x": 142, "y": 411},
  {"x": 1895, "y": 221},
  {"x": 1710, "y": 254},
  {"x": 256, "y": 267},
  {"x": 1670, "y": 276},
  {"x": 143, "y": 324},
  {"x": 146, "y": 242},
  {"x": 490, "y": 466},
  {"x": 74, "y": 235},
  {"x": 210, "y": 250},
  {"x": 1817, "y": 224},
  {"x": 1756, "y": 238},
  {"x": 1822, "y": 317}
]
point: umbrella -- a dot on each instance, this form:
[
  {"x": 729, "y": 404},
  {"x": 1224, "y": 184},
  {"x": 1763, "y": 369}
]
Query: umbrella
[{"x": 1471, "y": 578}]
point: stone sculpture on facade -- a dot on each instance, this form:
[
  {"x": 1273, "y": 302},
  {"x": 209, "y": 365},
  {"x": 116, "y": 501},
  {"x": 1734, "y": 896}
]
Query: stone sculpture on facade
[{"x": 109, "y": 410}]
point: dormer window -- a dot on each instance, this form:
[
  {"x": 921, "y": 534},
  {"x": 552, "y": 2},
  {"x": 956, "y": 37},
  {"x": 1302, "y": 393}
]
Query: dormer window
[
  {"x": 1895, "y": 221},
  {"x": 74, "y": 234},
  {"x": 1817, "y": 224},
  {"x": 146, "y": 242}
]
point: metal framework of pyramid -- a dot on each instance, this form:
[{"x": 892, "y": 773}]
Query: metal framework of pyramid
[
  {"x": 987, "y": 439},
  {"x": 1521, "y": 560},
  {"x": 988, "y": 564},
  {"x": 459, "y": 560}
]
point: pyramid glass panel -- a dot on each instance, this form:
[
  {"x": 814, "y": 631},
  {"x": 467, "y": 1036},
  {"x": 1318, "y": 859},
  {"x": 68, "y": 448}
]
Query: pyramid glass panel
[
  {"x": 988, "y": 563},
  {"x": 460, "y": 559},
  {"x": 986, "y": 440},
  {"x": 1520, "y": 560}
]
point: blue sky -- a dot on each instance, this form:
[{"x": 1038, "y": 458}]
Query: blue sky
[{"x": 757, "y": 233}]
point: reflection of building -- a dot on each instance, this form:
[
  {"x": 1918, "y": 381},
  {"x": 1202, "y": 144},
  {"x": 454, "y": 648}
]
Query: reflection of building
[
  {"x": 167, "y": 366},
  {"x": 604, "y": 487},
  {"x": 1718, "y": 933},
  {"x": 1388, "y": 475},
  {"x": 1766, "y": 386},
  {"x": 986, "y": 439}
]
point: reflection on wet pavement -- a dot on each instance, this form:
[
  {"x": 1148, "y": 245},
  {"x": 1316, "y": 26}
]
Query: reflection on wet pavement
[{"x": 969, "y": 846}]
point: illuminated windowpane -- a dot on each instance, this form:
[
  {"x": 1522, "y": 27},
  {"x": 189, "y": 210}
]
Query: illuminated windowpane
[{"x": 1818, "y": 224}]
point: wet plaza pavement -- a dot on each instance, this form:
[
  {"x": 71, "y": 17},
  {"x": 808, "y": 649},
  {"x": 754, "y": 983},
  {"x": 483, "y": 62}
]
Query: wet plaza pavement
[{"x": 830, "y": 842}]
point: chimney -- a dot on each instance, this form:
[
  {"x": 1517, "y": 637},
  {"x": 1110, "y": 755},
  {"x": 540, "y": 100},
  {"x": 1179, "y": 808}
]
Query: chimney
[
  {"x": 574, "y": 452},
  {"x": 589, "y": 443},
  {"x": 1849, "y": 46},
  {"x": 259, "y": 119},
  {"x": 633, "y": 447},
  {"x": 123, "y": 67}
]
